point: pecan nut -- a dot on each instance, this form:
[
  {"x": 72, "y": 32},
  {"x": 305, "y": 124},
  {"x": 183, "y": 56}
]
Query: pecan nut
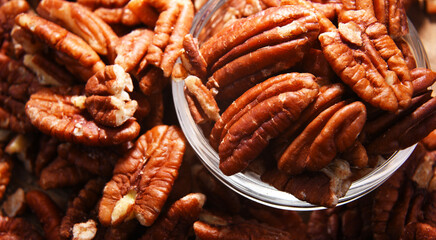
[
  {"x": 18, "y": 228},
  {"x": 73, "y": 52},
  {"x": 179, "y": 218},
  {"x": 108, "y": 101},
  {"x": 6, "y": 172},
  {"x": 15, "y": 204},
  {"x": 122, "y": 15},
  {"x": 261, "y": 113},
  {"x": 174, "y": 21},
  {"x": 54, "y": 113},
  {"x": 143, "y": 179},
  {"x": 47, "y": 212},
  {"x": 82, "y": 22},
  {"x": 372, "y": 66}
]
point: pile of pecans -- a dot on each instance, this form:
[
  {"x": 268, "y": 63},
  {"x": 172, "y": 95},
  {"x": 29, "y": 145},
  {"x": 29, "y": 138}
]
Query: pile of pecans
[
  {"x": 89, "y": 144},
  {"x": 309, "y": 95}
]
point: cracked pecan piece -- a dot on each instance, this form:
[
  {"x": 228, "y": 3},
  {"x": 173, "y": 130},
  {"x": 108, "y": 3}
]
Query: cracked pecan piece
[
  {"x": 15, "y": 203},
  {"x": 83, "y": 22},
  {"x": 53, "y": 111},
  {"x": 259, "y": 115},
  {"x": 143, "y": 178},
  {"x": 18, "y": 228},
  {"x": 79, "y": 209},
  {"x": 48, "y": 213},
  {"x": 254, "y": 48},
  {"x": 178, "y": 220},
  {"x": 71, "y": 51},
  {"x": 367, "y": 60},
  {"x": 213, "y": 227},
  {"x": 333, "y": 131},
  {"x": 174, "y": 22},
  {"x": 108, "y": 101}
]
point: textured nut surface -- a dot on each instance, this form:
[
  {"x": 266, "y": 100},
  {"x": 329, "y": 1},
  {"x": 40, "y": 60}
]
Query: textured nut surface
[
  {"x": 174, "y": 21},
  {"x": 132, "y": 47},
  {"x": 203, "y": 96},
  {"x": 53, "y": 112},
  {"x": 18, "y": 228},
  {"x": 108, "y": 101},
  {"x": 48, "y": 213},
  {"x": 178, "y": 220},
  {"x": 143, "y": 178},
  {"x": 82, "y": 22},
  {"x": 376, "y": 71},
  {"x": 78, "y": 57},
  {"x": 263, "y": 119},
  {"x": 122, "y": 15},
  {"x": 5, "y": 172}
]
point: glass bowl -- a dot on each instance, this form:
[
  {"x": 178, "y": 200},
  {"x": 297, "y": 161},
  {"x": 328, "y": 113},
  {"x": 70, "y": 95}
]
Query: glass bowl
[{"x": 248, "y": 184}]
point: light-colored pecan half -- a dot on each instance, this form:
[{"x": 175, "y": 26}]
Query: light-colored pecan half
[
  {"x": 375, "y": 69},
  {"x": 48, "y": 213},
  {"x": 178, "y": 220},
  {"x": 201, "y": 95},
  {"x": 143, "y": 178},
  {"x": 18, "y": 228},
  {"x": 333, "y": 131},
  {"x": 108, "y": 101},
  {"x": 73, "y": 52},
  {"x": 132, "y": 48},
  {"x": 259, "y": 115},
  {"x": 54, "y": 112},
  {"x": 85, "y": 230},
  {"x": 174, "y": 21},
  {"x": 15, "y": 204},
  {"x": 83, "y": 22}
]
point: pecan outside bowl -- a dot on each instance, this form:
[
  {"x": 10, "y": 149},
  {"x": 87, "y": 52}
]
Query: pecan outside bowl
[{"x": 247, "y": 183}]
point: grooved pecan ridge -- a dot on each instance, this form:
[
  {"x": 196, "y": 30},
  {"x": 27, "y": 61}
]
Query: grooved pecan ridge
[
  {"x": 53, "y": 111},
  {"x": 143, "y": 178},
  {"x": 261, "y": 114}
]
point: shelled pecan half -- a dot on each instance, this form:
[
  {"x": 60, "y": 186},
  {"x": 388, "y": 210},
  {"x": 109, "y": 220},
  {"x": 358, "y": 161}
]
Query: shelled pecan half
[
  {"x": 364, "y": 56},
  {"x": 6, "y": 165},
  {"x": 259, "y": 115},
  {"x": 143, "y": 178},
  {"x": 174, "y": 21},
  {"x": 18, "y": 228},
  {"x": 59, "y": 112},
  {"x": 83, "y": 22},
  {"x": 71, "y": 51}
]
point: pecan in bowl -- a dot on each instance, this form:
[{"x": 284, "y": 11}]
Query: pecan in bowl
[{"x": 295, "y": 87}]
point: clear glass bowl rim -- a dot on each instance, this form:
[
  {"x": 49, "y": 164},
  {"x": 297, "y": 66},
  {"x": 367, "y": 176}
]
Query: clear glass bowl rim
[{"x": 249, "y": 185}]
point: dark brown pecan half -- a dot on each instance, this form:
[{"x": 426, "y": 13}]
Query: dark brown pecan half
[
  {"x": 143, "y": 179},
  {"x": 367, "y": 60},
  {"x": 8, "y": 11},
  {"x": 422, "y": 80},
  {"x": 406, "y": 131},
  {"x": 178, "y": 220},
  {"x": 80, "y": 208},
  {"x": 48, "y": 213},
  {"x": 73, "y": 52},
  {"x": 333, "y": 131},
  {"x": 83, "y": 22},
  {"x": 250, "y": 50},
  {"x": 18, "y": 228},
  {"x": 259, "y": 115},
  {"x": 55, "y": 113},
  {"x": 192, "y": 59},
  {"x": 213, "y": 227}
]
